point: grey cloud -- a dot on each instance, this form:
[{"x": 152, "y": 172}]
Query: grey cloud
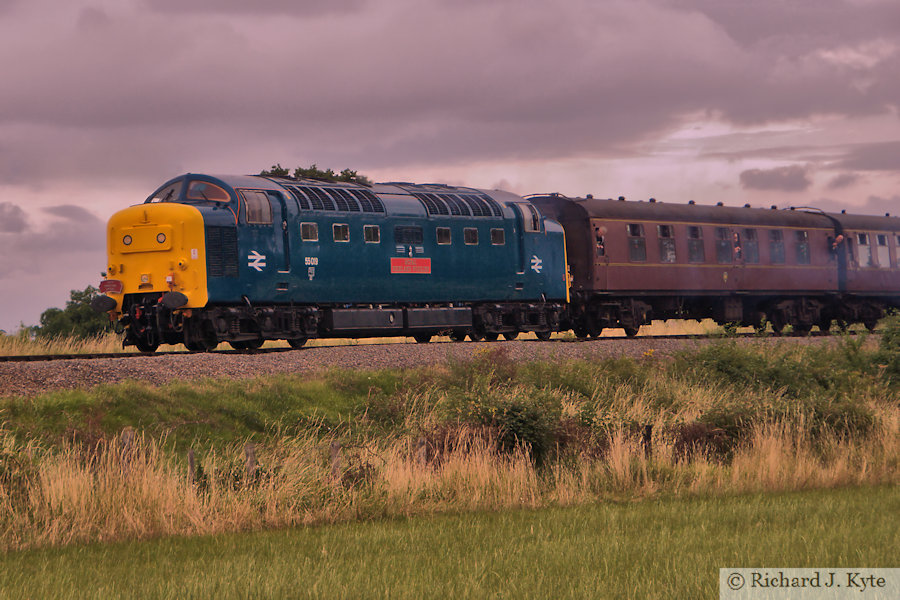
[
  {"x": 12, "y": 218},
  {"x": 881, "y": 205},
  {"x": 70, "y": 212},
  {"x": 298, "y": 8},
  {"x": 793, "y": 178},
  {"x": 883, "y": 156},
  {"x": 844, "y": 180}
]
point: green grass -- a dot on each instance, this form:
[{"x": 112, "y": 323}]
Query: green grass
[{"x": 668, "y": 548}]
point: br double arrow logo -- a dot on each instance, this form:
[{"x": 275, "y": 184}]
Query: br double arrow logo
[{"x": 255, "y": 260}]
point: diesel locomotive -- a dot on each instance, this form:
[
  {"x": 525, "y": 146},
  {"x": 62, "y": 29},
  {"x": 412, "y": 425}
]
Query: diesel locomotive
[{"x": 244, "y": 259}]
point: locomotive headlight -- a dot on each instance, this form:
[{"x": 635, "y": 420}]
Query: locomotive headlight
[
  {"x": 161, "y": 238},
  {"x": 126, "y": 240},
  {"x": 145, "y": 278}
]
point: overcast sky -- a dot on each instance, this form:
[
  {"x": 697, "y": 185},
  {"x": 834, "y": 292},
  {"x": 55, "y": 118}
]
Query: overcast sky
[{"x": 785, "y": 102}]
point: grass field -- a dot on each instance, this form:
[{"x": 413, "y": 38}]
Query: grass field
[{"x": 668, "y": 548}]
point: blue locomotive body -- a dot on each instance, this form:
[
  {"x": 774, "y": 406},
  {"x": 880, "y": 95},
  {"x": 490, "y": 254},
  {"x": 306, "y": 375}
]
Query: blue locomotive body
[{"x": 294, "y": 259}]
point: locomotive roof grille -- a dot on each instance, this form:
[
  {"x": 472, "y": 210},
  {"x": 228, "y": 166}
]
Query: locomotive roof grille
[
  {"x": 468, "y": 205},
  {"x": 336, "y": 199}
]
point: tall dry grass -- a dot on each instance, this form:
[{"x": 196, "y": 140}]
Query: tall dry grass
[{"x": 116, "y": 490}]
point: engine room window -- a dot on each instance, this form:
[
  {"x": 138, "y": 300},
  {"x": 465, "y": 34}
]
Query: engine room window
[
  {"x": 498, "y": 237},
  {"x": 724, "y": 246},
  {"x": 750, "y": 246},
  {"x": 637, "y": 245},
  {"x": 341, "y": 232},
  {"x": 372, "y": 234},
  {"x": 802, "y": 248},
  {"x": 259, "y": 209},
  {"x": 666, "y": 243},
  {"x": 696, "y": 252},
  {"x": 443, "y": 235},
  {"x": 201, "y": 190},
  {"x": 776, "y": 247},
  {"x": 470, "y": 236},
  {"x": 168, "y": 193},
  {"x": 309, "y": 232},
  {"x": 408, "y": 235}
]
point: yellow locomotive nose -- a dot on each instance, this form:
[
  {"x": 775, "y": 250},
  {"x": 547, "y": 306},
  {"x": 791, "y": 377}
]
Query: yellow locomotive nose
[{"x": 157, "y": 248}]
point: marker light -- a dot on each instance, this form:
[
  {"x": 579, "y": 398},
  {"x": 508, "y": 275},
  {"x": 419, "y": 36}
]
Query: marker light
[
  {"x": 126, "y": 240},
  {"x": 161, "y": 238},
  {"x": 145, "y": 278}
]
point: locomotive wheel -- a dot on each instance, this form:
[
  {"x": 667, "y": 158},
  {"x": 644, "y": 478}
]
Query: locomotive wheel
[
  {"x": 543, "y": 335},
  {"x": 580, "y": 332},
  {"x": 511, "y": 335},
  {"x": 825, "y": 326},
  {"x": 422, "y": 338},
  {"x": 492, "y": 336},
  {"x": 247, "y": 344},
  {"x": 476, "y": 337},
  {"x": 143, "y": 345},
  {"x": 801, "y": 329},
  {"x": 631, "y": 331},
  {"x": 870, "y": 324},
  {"x": 297, "y": 342},
  {"x": 458, "y": 336}
]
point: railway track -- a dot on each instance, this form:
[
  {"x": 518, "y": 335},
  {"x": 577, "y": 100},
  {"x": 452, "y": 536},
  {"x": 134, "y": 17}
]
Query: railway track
[{"x": 231, "y": 352}]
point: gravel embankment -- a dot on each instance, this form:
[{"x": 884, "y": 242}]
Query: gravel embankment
[{"x": 31, "y": 378}]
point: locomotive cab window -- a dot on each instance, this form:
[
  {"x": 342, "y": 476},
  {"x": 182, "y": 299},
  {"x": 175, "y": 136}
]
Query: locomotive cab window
[
  {"x": 470, "y": 236},
  {"x": 309, "y": 232},
  {"x": 498, "y": 237},
  {"x": 776, "y": 247},
  {"x": 637, "y": 244},
  {"x": 208, "y": 192},
  {"x": 750, "y": 247},
  {"x": 802, "y": 248},
  {"x": 443, "y": 235},
  {"x": 341, "y": 232},
  {"x": 696, "y": 252},
  {"x": 259, "y": 209},
  {"x": 531, "y": 217},
  {"x": 372, "y": 234},
  {"x": 666, "y": 243},
  {"x": 724, "y": 246},
  {"x": 167, "y": 194}
]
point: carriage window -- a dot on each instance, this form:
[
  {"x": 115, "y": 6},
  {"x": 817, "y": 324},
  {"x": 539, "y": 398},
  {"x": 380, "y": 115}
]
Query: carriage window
[
  {"x": 372, "y": 234},
  {"x": 341, "y": 232},
  {"x": 724, "y": 247},
  {"x": 470, "y": 236},
  {"x": 443, "y": 236},
  {"x": 259, "y": 209},
  {"x": 884, "y": 253},
  {"x": 750, "y": 247},
  {"x": 405, "y": 234},
  {"x": 200, "y": 190},
  {"x": 776, "y": 247},
  {"x": 599, "y": 241},
  {"x": 498, "y": 237},
  {"x": 309, "y": 232},
  {"x": 696, "y": 253},
  {"x": 637, "y": 245},
  {"x": 864, "y": 253},
  {"x": 666, "y": 243},
  {"x": 802, "y": 248}
]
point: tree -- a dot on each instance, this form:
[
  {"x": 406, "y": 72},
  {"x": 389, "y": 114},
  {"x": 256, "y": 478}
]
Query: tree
[
  {"x": 314, "y": 172},
  {"x": 77, "y": 319}
]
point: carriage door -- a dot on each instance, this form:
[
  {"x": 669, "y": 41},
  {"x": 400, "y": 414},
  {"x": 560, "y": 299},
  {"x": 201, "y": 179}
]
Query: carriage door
[{"x": 729, "y": 256}]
